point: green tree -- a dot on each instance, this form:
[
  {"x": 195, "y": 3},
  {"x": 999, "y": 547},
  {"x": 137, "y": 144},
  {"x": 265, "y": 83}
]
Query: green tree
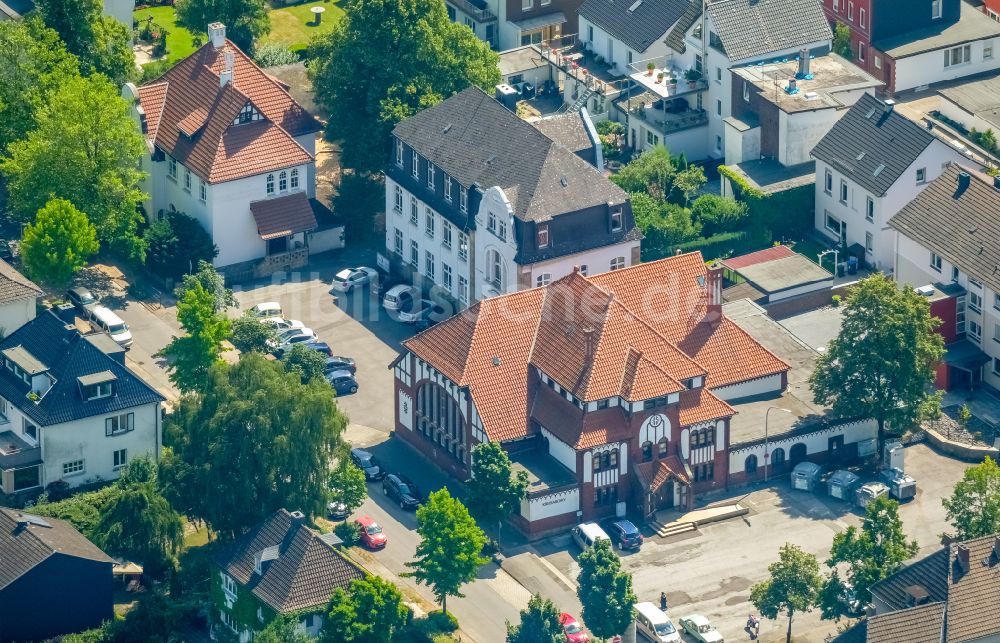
[
  {"x": 842, "y": 40},
  {"x": 449, "y": 553},
  {"x": 246, "y": 20},
  {"x": 988, "y": 140},
  {"x": 495, "y": 491},
  {"x": 406, "y": 55},
  {"x": 688, "y": 181},
  {"x": 101, "y": 43},
  {"x": 651, "y": 172},
  {"x": 86, "y": 149},
  {"x": 192, "y": 354},
  {"x": 140, "y": 524},
  {"x": 539, "y": 623},
  {"x": 974, "y": 506},
  {"x": 605, "y": 591},
  {"x": 211, "y": 280},
  {"x": 252, "y": 440},
  {"x": 305, "y": 362},
  {"x": 718, "y": 214},
  {"x": 176, "y": 244},
  {"x": 348, "y": 484},
  {"x": 871, "y": 553},
  {"x": 363, "y": 195},
  {"x": 283, "y": 629},
  {"x": 793, "y": 586},
  {"x": 664, "y": 225},
  {"x": 248, "y": 334},
  {"x": 881, "y": 364},
  {"x": 371, "y": 612},
  {"x": 33, "y": 63},
  {"x": 58, "y": 243}
]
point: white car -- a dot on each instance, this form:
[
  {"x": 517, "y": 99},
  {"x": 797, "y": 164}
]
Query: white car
[
  {"x": 348, "y": 278},
  {"x": 288, "y": 338},
  {"x": 399, "y": 297},
  {"x": 266, "y": 309},
  {"x": 697, "y": 627},
  {"x": 281, "y": 324}
]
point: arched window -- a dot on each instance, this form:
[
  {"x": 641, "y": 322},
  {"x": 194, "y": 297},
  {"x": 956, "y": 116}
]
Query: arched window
[
  {"x": 751, "y": 465},
  {"x": 270, "y": 184},
  {"x": 543, "y": 279},
  {"x": 797, "y": 453},
  {"x": 778, "y": 456},
  {"x": 661, "y": 447},
  {"x": 606, "y": 460},
  {"x": 282, "y": 181},
  {"x": 597, "y": 462},
  {"x": 709, "y": 436},
  {"x": 647, "y": 451},
  {"x": 495, "y": 269},
  {"x": 295, "y": 178}
]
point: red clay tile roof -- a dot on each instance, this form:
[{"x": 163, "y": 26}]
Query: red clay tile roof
[
  {"x": 568, "y": 423},
  {"x": 283, "y": 216},
  {"x": 648, "y": 334},
  {"x": 190, "y": 117},
  {"x": 653, "y": 474},
  {"x": 700, "y": 405},
  {"x": 754, "y": 258}
]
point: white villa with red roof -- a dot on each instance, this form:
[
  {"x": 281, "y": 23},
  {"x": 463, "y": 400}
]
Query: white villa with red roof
[
  {"x": 612, "y": 390},
  {"x": 229, "y": 146}
]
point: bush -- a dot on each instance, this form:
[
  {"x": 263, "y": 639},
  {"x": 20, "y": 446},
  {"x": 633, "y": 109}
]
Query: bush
[
  {"x": 152, "y": 71},
  {"x": 720, "y": 245},
  {"x": 175, "y": 244},
  {"x": 434, "y": 628},
  {"x": 56, "y": 491},
  {"x": 348, "y": 532},
  {"x": 272, "y": 55},
  {"x": 442, "y": 621},
  {"x": 718, "y": 214}
]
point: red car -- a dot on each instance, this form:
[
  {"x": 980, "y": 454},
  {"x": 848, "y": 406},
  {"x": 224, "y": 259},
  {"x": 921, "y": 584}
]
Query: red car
[
  {"x": 572, "y": 628},
  {"x": 371, "y": 533}
]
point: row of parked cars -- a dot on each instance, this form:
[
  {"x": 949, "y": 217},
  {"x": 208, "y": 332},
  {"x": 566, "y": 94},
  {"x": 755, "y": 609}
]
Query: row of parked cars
[
  {"x": 101, "y": 318},
  {"x": 404, "y": 303}
]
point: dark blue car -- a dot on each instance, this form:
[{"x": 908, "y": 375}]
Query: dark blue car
[{"x": 625, "y": 535}]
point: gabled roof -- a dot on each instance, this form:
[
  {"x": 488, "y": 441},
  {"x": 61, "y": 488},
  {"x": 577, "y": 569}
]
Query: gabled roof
[
  {"x": 636, "y": 23},
  {"x": 27, "y": 540},
  {"x": 68, "y": 356},
  {"x": 755, "y": 28},
  {"x": 570, "y": 131},
  {"x": 476, "y": 140},
  {"x": 190, "y": 117},
  {"x": 283, "y": 216},
  {"x": 960, "y": 224},
  {"x": 921, "y": 624},
  {"x": 872, "y": 145},
  {"x": 14, "y": 285},
  {"x": 971, "y": 26},
  {"x": 300, "y": 567}
]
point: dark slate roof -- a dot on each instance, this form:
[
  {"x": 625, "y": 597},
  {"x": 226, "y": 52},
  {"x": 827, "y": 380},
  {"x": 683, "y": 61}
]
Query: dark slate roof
[
  {"x": 914, "y": 625},
  {"x": 961, "y": 225},
  {"x": 303, "y": 569},
  {"x": 639, "y": 28},
  {"x": 14, "y": 285},
  {"x": 476, "y": 140},
  {"x": 931, "y": 573},
  {"x": 858, "y": 633},
  {"x": 26, "y": 541},
  {"x": 569, "y": 130},
  {"x": 972, "y": 25},
  {"x": 869, "y": 136},
  {"x": 68, "y": 356},
  {"x": 754, "y": 28},
  {"x": 676, "y": 38}
]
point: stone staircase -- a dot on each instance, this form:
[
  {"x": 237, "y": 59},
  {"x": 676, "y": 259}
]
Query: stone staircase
[{"x": 694, "y": 519}]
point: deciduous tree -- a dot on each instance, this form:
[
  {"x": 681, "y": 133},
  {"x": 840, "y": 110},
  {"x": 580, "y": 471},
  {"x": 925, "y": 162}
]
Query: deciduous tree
[
  {"x": 495, "y": 491},
  {"x": 974, "y": 506},
  {"x": 177, "y": 244},
  {"x": 192, "y": 354},
  {"x": 687, "y": 182},
  {"x": 58, "y": 243},
  {"x": 348, "y": 484},
  {"x": 86, "y": 149},
  {"x": 449, "y": 553},
  {"x": 405, "y": 55},
  {"x": 212, "y": 281},
  {"x": 252, "y": 440},
  {"x": 101, "y": 43},
  {"x": 371, "y": 611},
  {"x": 605, "y": 591},
  {"x": 792, "y": 588},
  {"x": 304, "y": 362},
  {"x": 247, "y": 334},
  {"x": 539, "y": 623},
  {"x": 651, "y": 172},
  {"x": 881, "y": 364},
  {"x": 245, "y": 20},
  {"x": 283, "y": 629},
  {"x": 718, "y": 214}
]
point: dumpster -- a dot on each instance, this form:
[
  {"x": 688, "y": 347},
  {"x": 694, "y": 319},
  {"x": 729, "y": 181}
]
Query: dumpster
[
  {"x": 805, "y": 475},
  {"x": 841, "y": 484},
  {"x": 868, "y": 492},
  {"x": 893, "y": 455},
  {"x": 901, "y": 486}
]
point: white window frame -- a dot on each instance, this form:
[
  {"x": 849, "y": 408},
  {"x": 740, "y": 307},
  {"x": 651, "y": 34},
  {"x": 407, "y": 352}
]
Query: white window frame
[
  {"x": 937, "y": 9},
  {"x": 229, "y": 585},
  {"x": 935, "y": 262},
  {"x": 172, "y": 167},
  {"x": 283, "y": 181},
  {"x": 97, "y": 391},
  {"x": 446, "y": 276},
  {"x": 399, "y": 152},
  {"x": 414, "y": 211},
  {"x": 414, "y": 253},
  {"x": 975, "y": 302},
  {"x": 850, "y": 11},
  {"x": 843, "y": 194},
  {"x": 921, "y": 175},
  {"x": 429, "y": 264},
  {"x": 996, "y": 332},
  {"x": 869, "y": 208},
  {"x": 463, "y": 199},
  {"x": 975, "y": 330},
  {"x": 463, "y": 289},
  {"x": 74, "y": 467},
  {"x": 294, "y": 178},
  {"x": 828, "y": 182},
  {"x": 543, "y": 236},
  {"x": 269, "y": 184},
  {"x": 617, "y": 220},
  {"x": 445, "y": 234},
  {"x": 861, "y": 18},
  {"x": 415, "y": 170},
  {"x": 617, "y": 263},
  {"x": 119, "y": 458},
  {"x": 861, "y": 51},
  {"x": 187, "y": 180},
  {"x": 429, "y": 222},
  {"x": 447, "y": 188},
  {"x": 397, "y": 243},
  {"x": 430, "y": 175},
  {"x": 543, "y": 279},
  {"x": 527, "y": 4},
  {"x": 963, "y": 54},
  {"x": 397, "y": 199},
  {"x": 878, "y": 62},
  {"x": 827, "y": 217},
  {"x": 202, "y": 191},
  {"x": 869, "y": 242},
  {"x": 988, "y": 51},
  {"x": 463, "y": 246},
  {"x": 113, "y": 425}
]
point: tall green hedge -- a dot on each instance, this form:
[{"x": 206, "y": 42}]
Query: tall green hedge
[{"x": 724, "y": 244}]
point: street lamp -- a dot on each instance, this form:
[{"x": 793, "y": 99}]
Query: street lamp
[{"x": 767, "y": 415}]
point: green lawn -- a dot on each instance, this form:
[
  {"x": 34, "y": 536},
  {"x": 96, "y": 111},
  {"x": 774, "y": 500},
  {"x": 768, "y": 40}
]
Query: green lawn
[
  {"x": 810, "y": 247},
  {"x": 293, "y": 26},
  {"x": 180, "y": 41}
]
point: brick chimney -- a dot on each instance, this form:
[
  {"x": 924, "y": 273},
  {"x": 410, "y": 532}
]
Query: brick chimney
[
  {"x": 713, "y": 288},
  {"x": 588, "y": 338},
  {"x": 962, "y": 558},
  {"x": 217, "y": 34}
]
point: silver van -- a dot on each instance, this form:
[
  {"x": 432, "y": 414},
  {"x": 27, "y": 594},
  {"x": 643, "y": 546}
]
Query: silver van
[
  {"x": 104, "y": 319},
  {"x": 587, "y": 534},
  {"x": 654, "y": 624}
]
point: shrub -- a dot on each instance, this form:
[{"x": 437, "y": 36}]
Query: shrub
[
  {"x": 836, "y": 300},
  {"x": 153, "y": 70},
  {"x": 718, "y": 214},
  {"x": 176, "y": 244},
  {"x": 720, "y": 245},
  {"x": 442, "y": 621},
  {"x": 56, "y": 491},
  {"x": 348, "y": 532},
  {"x": 272, "y": 55}
]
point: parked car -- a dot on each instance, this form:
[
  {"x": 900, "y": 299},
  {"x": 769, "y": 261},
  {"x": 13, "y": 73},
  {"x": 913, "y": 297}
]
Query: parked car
[
  {"x": 106, "y": 320},
  {"x": 5, "y": 251},
  {"x": 281, "y": 324},
  {"x": 421, "y": 311},
  {"x": 342, "y": 382},
  {"x": 372, "y": 535},
  {"x": 624, "y": 534},
  {"x": 401, "y": 489},
  {"x": 586, "y": 534},
  {"x": 572, "y": 629},
  {"x": 367, "y": 463},
  {"x": 698, "y": 627},
  {"x": 339, "y": 363},
  {"x": 654, "y": 624},
  {"x": 319, "y": 347},
  {"x": 348, "y": 278},
  {"x": 336, "y": 510},
  {"x": 291, "y": 337},
  {"x": 266, "y": 309},
  {"x": 83, "y": 300},
  {"x": 399, "y": 297}
]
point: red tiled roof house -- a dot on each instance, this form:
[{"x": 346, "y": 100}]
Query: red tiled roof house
[
  {"x": 229, "y": 146},
  {"x": 611, "y": 390}
]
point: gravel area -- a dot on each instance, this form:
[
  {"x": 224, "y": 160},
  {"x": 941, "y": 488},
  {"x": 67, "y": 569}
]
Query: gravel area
[{"x": 977, "y": 433}]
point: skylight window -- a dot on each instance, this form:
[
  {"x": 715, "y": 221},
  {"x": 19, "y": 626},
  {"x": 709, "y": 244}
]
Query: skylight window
[
  {"x": 878, "y": 170},
  {"x": 635, "y": 5}
]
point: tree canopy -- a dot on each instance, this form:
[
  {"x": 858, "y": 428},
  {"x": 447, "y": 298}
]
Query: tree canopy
[
  {"x": 212, "y": 281},
  {"x": 372, "y": 611},
  {"x": 793, "y": 586},
  {"x": 101, "y": 43},
  {"x": 245, "y": 20},
  {"x": 86, "y": 149},
  {"x": 973, "y": 508},
  {"x": 304, "y": 362},
  {"x": 881, "y": 364},
  {"x": 449, "y": 553},
  {"x": 248, "y": 334},
  {"x": 283, "y": 629},
  {"x": 539, "y": 623},
  {"x": 348, "y": 484},
  {"x": 605, "y": 590},
  {"x": 58, "y": 243},
  {"x": 495, "y": 492},
  {"x": 176, "y": 244},
  {"x": 405, "y": 55},
  {"x": 192, "y": 354}
]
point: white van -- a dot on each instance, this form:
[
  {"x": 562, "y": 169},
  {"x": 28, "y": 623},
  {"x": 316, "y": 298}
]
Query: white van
[
  {"x": 587, "y": 534},
  {"x": 654, "y": 624},
  {"x": 106, "y": 320}
]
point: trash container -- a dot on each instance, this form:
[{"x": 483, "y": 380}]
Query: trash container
[
  {"x": 842, "y": 484},
  {"x": 805, "y": 475}
]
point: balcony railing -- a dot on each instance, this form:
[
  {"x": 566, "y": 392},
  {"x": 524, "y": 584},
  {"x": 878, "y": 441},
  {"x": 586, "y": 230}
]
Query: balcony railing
[
  {"x": 667, "y": 122},
  {"x": 572, "y": 58},
  {"x": 479, "y": 14}
]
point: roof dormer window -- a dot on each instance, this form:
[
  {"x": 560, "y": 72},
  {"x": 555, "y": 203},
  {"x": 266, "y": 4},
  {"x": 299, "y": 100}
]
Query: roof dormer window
[
  {"x": 96, "y": 386},
  {"x": 247, "y": 115}
]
